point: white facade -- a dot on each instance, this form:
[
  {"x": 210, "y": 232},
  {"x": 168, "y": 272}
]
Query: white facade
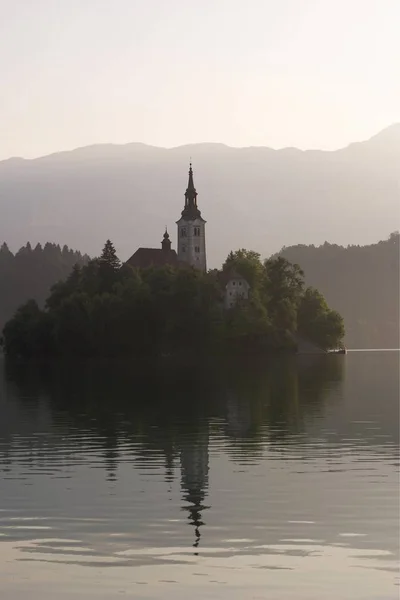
[
  {"x": 236, "y": 289},
  {"x": 192, "y": 242},
  {"x": 191, "y": 230}
]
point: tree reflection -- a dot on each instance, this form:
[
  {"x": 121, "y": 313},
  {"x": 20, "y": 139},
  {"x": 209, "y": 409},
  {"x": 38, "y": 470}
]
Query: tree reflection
[{"x": 169, "y": 413}]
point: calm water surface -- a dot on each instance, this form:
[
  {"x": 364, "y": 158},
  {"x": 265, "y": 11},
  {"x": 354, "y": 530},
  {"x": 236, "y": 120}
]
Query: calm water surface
[{"x": 200, "y": 482}]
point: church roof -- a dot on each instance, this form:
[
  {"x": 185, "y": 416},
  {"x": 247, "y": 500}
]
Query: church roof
[{"x": 153, "y": 257}]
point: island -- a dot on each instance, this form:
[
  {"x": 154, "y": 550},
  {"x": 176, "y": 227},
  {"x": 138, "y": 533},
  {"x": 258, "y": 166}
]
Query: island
[{"x": 106, "y": 308}]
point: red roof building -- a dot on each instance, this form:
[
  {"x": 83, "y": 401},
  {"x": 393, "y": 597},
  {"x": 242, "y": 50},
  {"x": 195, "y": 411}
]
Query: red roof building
[{"x": 155, "y": 257}]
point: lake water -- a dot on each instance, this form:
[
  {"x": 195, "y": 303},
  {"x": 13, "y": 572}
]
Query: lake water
[{"x": 201, "y": 481}]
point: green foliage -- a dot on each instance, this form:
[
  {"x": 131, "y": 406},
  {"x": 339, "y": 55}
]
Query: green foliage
[
  {"x": 317, "y": 322},
  {"x": 361, "y": 283},
  {"x": 248, "y": 264},
  {"x": 103, "y": 309},
  {"x": 109, "y": 257},
  {"x": 279, "y": 307}
]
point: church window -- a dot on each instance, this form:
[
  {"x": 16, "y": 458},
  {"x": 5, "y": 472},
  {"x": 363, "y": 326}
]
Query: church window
[
  {"x": 183, "y": 248},
  {"x": 233, "y": 282},
  {"x": 183, "y": 232},
  {"x": 197, "y": 248},
  {"x": 197, "y": 231},
  {"x": 240, "y": 283}
]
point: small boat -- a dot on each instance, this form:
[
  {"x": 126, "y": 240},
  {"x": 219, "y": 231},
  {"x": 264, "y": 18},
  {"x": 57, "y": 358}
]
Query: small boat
[{"x": 342, "y": 350}]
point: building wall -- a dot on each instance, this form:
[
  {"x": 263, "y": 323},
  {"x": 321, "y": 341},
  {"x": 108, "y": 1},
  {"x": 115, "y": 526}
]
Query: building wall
[
  {"x": 235, "y": 289},
  {"x": 189, "y": 243}
]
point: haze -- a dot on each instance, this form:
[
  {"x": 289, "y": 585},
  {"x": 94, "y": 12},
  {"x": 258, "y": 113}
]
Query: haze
[{"x": 304, "y": 73}]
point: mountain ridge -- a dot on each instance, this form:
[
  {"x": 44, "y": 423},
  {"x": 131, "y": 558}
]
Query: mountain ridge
[
  {"x": 391, "y": 131},
  {"x": 254, "y": 197}
]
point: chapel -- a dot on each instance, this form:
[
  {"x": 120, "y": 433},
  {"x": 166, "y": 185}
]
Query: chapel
[{"x": 191, "y": 247}]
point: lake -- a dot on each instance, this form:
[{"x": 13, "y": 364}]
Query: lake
[{"x": 201, "y": 481}]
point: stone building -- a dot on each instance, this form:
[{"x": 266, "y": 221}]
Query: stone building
[
  {"x": 191, "y": 239},
  {"x": 235, "y": 287},
  {"x": 191, "y": 230}
]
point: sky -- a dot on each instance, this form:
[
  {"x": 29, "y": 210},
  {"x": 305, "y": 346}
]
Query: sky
[{"x": 304, "y": 73}]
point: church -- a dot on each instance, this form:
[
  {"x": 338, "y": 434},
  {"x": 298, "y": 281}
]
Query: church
[
  {"x": 191, "y": 250},
  {"x": 191, "y": 239}
]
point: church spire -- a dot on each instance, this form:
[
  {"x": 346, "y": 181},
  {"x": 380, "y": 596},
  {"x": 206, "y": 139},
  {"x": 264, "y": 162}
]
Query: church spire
[
  {"x": 190, "y": 187},
  {"x": 191, "y": 229},
  {"x": 191, "y": 211}
]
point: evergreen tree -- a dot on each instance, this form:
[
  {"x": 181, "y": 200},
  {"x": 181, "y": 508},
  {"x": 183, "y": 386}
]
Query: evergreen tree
[{"x": 109, "y": 256}]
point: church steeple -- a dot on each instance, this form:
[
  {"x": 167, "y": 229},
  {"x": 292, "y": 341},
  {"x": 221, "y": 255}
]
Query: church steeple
[
  {"x": 190, "y": 210},
  {"x": 191, "y": 230},
  {"x": 190, "y": 187}
]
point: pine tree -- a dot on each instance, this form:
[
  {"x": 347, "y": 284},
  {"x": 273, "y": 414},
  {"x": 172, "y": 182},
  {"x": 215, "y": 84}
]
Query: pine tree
[{"x": 109, "y": 256}]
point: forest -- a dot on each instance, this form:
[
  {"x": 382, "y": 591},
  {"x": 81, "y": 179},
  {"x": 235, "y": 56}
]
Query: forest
[
  {"x": 361, "y": 283},
  {"x": 30, "y": 273},
  {"x": 109, "y": 309}
]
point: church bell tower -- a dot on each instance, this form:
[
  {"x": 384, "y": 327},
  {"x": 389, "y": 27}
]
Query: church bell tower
[{"x": 191, "y": 230}]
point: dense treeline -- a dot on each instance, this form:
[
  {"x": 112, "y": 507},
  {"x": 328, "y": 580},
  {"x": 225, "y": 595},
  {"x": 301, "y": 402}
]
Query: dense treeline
[
  {"x": 362, "y": 283},
  {"x": 105, "y": 309},
  {"x": 31, "y": 272}
]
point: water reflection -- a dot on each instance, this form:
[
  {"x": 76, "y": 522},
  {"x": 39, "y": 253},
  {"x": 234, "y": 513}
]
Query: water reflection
[
  {"x": 114, "y": 463},
  {"x": 166, "y": 410}
]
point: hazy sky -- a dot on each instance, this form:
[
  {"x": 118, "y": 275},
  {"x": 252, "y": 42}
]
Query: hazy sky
[{"x": 306, "y": 73}]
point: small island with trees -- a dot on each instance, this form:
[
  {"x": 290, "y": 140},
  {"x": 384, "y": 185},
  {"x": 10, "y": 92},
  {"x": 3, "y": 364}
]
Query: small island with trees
[{"x": 108, "y": 309}]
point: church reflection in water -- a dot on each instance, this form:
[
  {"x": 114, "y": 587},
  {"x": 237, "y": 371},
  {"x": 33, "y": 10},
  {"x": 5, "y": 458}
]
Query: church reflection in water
[
  {"x": 194, "y": 463},
  {"x": 151, "y": 418}
]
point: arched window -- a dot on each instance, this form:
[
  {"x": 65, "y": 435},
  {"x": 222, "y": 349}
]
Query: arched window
[{"x": 183, "y": 232}]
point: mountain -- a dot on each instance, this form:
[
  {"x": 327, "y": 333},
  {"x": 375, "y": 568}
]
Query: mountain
[
  {"x": 253, "y": 197},
  {"x": 362, "y": 283}
]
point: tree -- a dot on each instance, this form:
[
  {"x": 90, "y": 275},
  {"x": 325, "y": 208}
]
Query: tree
[
  {"x": 361, "y": 283},
  {"x": 283, "y": 290},
  {"x": 28, "y": 334},
  {"x": 248, "y": 264},
  {"x": 109, "y": 266},
  {"x": 109, "y": 257},
  {"x": 30, "y": 274},
  {"x": 317, "y": 322},
  {"x": 102, "y": 309},
  {"x": 285, "y": 279}
]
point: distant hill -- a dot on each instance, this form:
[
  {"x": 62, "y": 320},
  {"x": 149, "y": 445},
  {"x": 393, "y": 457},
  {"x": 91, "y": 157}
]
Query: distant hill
[
  {"x": 362, "y": 283},
  {"x": 253, "y": 197},
  {"x": 30, "y": 273}
]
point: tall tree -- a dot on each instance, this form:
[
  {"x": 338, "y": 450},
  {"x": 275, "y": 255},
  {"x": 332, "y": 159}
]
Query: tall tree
[{"x": 109, "y": 256}]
